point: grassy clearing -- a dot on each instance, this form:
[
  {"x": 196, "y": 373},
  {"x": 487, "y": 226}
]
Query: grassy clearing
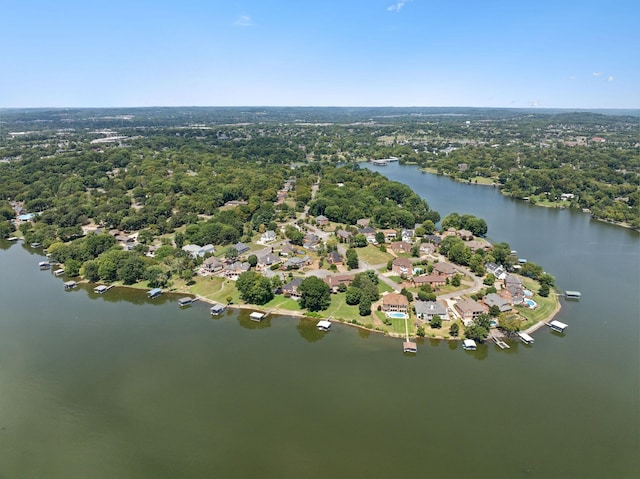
[
  {"x": 372, "y": 255},
  {"x": 546, "y": 306},
  {"x": 481, "y": 180},
  {"x": 280, "y": 301},
  {"x": 216, "y": 289}
]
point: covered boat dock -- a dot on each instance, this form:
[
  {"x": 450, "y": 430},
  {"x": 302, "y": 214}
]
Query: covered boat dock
[
  {"x": 256, "y": 316},
  {"x": 525, "y": 338},
  {"x": 217, "y": 309},
  {"x": 409, "y": 347},
  {"x": 70, "y": 284},
  {"x": 557, "y": 326},
  {"x": 324, "y": 325},
  {"x": 155, "y": 292}
]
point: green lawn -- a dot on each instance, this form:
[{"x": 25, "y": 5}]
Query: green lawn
[
  {"x": 545, "y": 305},
  {"x": 280, "y": 301},
  {"x": 372, "y": 255},
  {"x": 216, "y": 289}
]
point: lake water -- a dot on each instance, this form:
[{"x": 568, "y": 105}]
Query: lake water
[{"x": 116, "y": 385}]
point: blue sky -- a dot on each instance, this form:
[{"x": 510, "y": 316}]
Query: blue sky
[{"x": 518, "y": 53}]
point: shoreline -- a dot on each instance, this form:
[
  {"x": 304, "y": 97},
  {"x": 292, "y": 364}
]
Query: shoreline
[{"x": 495, "y": 185}]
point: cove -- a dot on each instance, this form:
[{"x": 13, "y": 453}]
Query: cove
[{"x": 117, "y": 385}]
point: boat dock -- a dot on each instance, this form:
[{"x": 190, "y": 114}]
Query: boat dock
[
  {"x": 469, "y": 345},
  {"x": 257, "y": 316},
  {"x": 58, "y": 272},
  {"x": 102, "y": 289},
  {"x": 186, "y": 301},
  {"x": 324, "y": 325},
  {"x": 217, "y": 309},
  {"x": 13, "y": 238},
  {"x": 154, "y": 293},
  {"x": 409, "y": 347},
  {"x": 44, "y": 265},
  {"x": 557, "y": 326},
  {"x": 497, "y": 338},
  {"x": 70, "y": 284},
  {"x": 572, "y": 294},
  {"x": 525, "y": 338}
]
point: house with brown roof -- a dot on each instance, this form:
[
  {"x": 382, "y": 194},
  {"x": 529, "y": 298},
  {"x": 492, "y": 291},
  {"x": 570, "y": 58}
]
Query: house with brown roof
[
  {"x": 212, "y": 265},
  {"x": 322, "y": 220},
  {"x": 390, "y": 235},
  {"x": 334, "y": 281},
  {"x": 445, "y": 269},
  {"x": 344, "y": 236},
  {"x": 401, "y": 247},
  {"x": 465, "y": 235},
  {"x": 402, "y": 266},
  {"x": 395, "y": 302},
  {"x": 433, "y": 280},
  {"x": 291, "y": 288},
  {"x": 470, "y": 309}
]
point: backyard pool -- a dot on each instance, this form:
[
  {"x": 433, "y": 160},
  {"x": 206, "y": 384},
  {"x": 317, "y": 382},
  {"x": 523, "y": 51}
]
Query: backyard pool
[
  {"x": 531, "y": 303},
  {"x": 397, "y": 315}
]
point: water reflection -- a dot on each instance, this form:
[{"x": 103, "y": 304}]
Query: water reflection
[
  {"x": 452, "y": 345},
  {"x": 309, "y": 331}
]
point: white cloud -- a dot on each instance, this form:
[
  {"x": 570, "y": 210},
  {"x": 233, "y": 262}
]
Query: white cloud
[
  {"x": 243, "y": 21},
  {"x": 597, "y": 74},
  {"x": 610, "y": 78},
  {"x": 397, "y": 6}
]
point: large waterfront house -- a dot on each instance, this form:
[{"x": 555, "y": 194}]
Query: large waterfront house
[
  {"x": 395, "y": 302},
  {"x": 470, "y": 309},
  {"x": 196, "y": 251},
  {"x": 291, "y": 288},
  {"x": 426, "y": 310},
  {"x": 493, "y": 299},
  {"x": 334, "y": 281}
]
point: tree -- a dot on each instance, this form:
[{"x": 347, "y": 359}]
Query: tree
[
  {"x": 72, "y": 267},
  {"x": 454, "y": 330},
  {"x": 352, "y": 296},
  {"x": 314, "y": 294},
  {"x": 436, "y": 322},
  {"x": 90, "y": 271},
  {"x": 406, "y": 293},
  {"x": 494, "y": 311},
  {"x": 489, "y": 280},
  {"x": 455, "y": 281},
  {"x": 252, "y": 260},
  {"x": 509, "y": 323},
  {"x": 254, "y": 288},
  {"x": 476, "y": 332},
  {"x": 544, "y": 290},
  {"x": 420, "y": 331},
  {"x": 352, "y": 258},
  {"x": 379, "y": 237},
  {"x": 360, "y": 241},
  {"x": 365, "y": 307}
]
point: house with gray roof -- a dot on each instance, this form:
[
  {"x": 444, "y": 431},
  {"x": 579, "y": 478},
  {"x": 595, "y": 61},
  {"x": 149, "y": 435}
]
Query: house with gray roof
[
  {"x": 426, "y": 310},
  {"x": 493, "y": 299}
]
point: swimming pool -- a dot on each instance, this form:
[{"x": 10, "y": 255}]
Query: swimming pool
[
  {"x": 397, "y": 315},
  {"x": 531, "y": 303}
]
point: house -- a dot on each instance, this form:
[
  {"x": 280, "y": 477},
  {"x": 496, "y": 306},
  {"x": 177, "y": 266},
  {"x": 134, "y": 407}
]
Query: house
[
  {"x": 241, "y": 248},
  {"x": 344, "y": 236},
  {"x": 401, "y": 247},
  {"x": 512, "y": 280},
  {"x": 513, "y": 294},
  {"x": 493, "y": 299},
  {"x": 291, "y": 288},
  {"x": 402, "y": 266},
  {"x": 427, "y": 248},
  {"x": 395, "y": 302},
  {"x": 390, "y": 235},
  {"x": 334, "y": 258},
  {"x": 311, "y": 241},
  {"x": 334, "y": 281},
  {"x": 322, "y": 220},
  {"x": 407, "y": 235},
  {"x": 363, "y": 222},
  {"x": 434, "y": 239},
  {"x": 426, "y": 310},
  {"x": 196, "y": 251},
  {"x": 296, "y": 263},
  {"x": 287, "y": 250},
  {"x": 465, "y": 235},
  {"x": 233, "y": 270},
  {"x": 212, "y": 265},
  {"x": 268, "y": 236},
  {"x": 434, "y": 280},
  {"x": 470, "y": 309},
  {"x": 369, "y": 233},
  {"x": 445, "y": 269},
  {"x": 497, "y": 270},
  {"x": 478, "y": 244},
  {"x": 266, "y": 260}
]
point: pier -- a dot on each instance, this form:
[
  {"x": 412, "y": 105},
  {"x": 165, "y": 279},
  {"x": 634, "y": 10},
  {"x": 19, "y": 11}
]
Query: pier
[
  {"x": 102, "y": 288},
  {"x": 154, "y": 293},
  {"x": 186, "y": 301},
  {"x": 572, "y": 294},
  {"x": 498, "y": 339}
]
